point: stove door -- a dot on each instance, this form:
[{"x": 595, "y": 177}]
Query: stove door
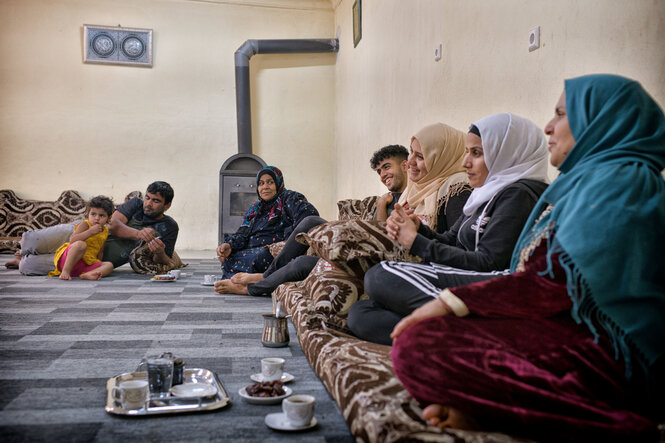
[{"x": 238, "y": 194}]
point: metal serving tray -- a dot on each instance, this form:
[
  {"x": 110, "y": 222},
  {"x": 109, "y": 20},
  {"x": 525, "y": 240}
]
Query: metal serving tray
[{"x": 170, "y": 404}]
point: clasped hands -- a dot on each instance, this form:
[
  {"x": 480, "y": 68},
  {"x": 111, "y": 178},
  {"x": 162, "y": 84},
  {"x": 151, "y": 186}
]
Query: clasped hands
[{"x": 402, "y": 225}]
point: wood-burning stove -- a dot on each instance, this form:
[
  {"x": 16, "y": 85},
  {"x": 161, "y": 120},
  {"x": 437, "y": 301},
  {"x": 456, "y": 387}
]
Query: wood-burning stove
[
  {"x": 237, "y": 177},
  {"x": 237, "y": 191}
]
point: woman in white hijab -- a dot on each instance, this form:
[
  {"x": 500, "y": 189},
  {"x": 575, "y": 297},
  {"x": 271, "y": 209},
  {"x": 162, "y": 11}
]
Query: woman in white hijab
[{"x": 506, "y": 164}]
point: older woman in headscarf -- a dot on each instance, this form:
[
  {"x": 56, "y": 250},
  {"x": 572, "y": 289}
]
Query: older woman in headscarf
[
  {"x": 506, "y": 162},
  {"x": 571, "y": 346},
  {"x": 437, "y": 191},
  {"x": 269, "y": 220}
]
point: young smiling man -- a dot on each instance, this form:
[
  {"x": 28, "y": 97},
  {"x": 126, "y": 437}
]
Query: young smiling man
[
  {"x": 143, "y": 220},
  {"x": 390, "y": 162}
]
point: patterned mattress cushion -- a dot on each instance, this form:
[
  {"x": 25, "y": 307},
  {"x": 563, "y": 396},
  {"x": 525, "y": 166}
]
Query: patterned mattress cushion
[
  {"x": 18, "y": 215},
  {"x": 276, "y": 248},
  {"x": 332, "y": 292},
  {"x": 360, "y": 377},
  {"x": 140, "y": 259},
  {"x": 351, "y": 208},
  {"x": 354, "y": 246}
]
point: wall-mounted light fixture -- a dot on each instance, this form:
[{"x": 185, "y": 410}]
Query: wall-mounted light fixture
[{"x": 116, "y": 45}]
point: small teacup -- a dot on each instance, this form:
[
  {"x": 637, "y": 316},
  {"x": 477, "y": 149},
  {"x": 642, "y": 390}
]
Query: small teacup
[
  {"x": 133, "y": 393},
  {"x": 299, "y": 409},
  {"x": 209, "y": 279},
  {"x": 175, "y": 273},
  {"x": 272, "y": 368}
]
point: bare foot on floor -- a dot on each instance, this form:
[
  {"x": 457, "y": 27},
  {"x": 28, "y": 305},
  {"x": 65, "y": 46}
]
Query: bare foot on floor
[
  {"x": 65, "y": 276},
  {"x": 13, "y": 263},
  {"x": 448, "y": 417},
  {"x": 91, "y": 275},
  {"x": 244, "y": 278},
  {"x": 228, "y": 287}
]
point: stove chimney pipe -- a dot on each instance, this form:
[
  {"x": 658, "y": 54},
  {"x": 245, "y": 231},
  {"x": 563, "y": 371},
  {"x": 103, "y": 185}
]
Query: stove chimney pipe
[{"x": 242, "y": 56}]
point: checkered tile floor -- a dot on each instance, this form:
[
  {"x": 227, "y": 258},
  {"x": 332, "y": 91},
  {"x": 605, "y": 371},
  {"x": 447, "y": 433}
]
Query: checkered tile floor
[{"x": 60, "y": 341}]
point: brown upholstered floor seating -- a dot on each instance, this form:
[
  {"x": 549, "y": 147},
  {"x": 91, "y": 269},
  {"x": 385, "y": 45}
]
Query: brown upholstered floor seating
[
  {"x": 359, "y": 375},
  {"x": 18, "y": 215}
]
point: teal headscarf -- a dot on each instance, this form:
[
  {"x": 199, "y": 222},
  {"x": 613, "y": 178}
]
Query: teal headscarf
[{"x": 608, "y": 215}]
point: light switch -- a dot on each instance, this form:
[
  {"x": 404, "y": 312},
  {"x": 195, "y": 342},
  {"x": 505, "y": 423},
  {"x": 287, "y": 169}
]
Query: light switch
[
  {"x": 534, "y": 39},
  {"x": 437, "y": 52}
]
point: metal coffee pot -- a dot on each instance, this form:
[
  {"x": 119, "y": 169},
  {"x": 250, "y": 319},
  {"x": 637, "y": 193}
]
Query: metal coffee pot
[{"x": 275, "y": 331}]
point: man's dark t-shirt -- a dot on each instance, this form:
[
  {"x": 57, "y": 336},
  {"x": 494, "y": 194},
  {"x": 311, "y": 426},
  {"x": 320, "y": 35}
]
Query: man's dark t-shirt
[
  {"x": 116, "y": 249},
  {"x": 391, "y": 206}
]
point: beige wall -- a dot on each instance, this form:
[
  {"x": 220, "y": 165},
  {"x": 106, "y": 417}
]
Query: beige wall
[
  {"x": 112, "y": 129},
  {"x": 390, "y": 86},
  {"x": 109, "y": 130}
]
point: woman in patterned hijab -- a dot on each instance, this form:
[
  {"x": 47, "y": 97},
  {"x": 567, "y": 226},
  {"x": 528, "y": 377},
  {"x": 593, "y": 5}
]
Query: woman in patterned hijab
[{"x": 269, "y": 220}]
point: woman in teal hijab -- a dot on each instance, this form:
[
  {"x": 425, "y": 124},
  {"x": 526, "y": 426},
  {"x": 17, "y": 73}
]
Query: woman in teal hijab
[{"x": 572, "y": 344}]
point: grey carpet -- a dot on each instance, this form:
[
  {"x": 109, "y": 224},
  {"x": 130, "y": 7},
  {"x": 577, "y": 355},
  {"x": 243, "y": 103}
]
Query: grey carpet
[{"x": 60, "y": 341}]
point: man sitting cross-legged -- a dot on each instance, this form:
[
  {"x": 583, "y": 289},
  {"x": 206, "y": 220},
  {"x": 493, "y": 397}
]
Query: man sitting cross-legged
[{"x": 291, "y": 264}]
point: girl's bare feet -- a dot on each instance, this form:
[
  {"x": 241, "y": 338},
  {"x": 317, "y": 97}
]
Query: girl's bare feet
[
  {"x": 244, "y": 278},
  {"x": 228, "y": 287},
  {"x": 91, "y": 275},
  {"x": 14, "y": 262},
  {"x": 449, "y": 417},
  {"x": 65, "y": 276}
]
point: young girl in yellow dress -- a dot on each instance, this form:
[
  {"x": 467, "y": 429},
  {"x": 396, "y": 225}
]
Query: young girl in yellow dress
[{"x": 82, "y": 255}]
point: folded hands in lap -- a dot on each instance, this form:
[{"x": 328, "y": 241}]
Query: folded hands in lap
[{"x": 402, "y": 225}]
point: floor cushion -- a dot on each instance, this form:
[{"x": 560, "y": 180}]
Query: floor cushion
[{"x": 354, "y": 246}]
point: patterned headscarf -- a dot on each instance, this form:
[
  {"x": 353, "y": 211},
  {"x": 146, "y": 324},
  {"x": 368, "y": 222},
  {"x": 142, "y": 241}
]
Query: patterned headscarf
[
  {"x": 275, "y": 205},
  {"x": 608, "y": 214}
]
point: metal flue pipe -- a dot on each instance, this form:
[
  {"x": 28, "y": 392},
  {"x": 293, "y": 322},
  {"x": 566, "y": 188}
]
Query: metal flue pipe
[{"x": 242, "y": 56}]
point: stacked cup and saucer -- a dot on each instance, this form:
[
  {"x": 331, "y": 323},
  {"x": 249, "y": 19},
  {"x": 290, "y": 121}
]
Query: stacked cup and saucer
[
  {"x": 272, "y": 368},
  {"x": 209, "y": 280},
  {"x": 297, "y": 414},
  {"x": 297, "y": 410},
  {"x": 265, "y": 391}
]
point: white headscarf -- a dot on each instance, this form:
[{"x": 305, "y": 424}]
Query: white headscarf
[{"x": 514, "y": 148}]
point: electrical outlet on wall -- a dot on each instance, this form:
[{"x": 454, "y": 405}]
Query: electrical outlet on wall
[
  {"x": 534, "y": 39},
  {"x": 437, "y": 52}
]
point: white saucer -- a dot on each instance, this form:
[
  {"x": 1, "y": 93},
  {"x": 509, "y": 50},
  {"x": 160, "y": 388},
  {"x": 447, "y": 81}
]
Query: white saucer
[
  {"x": 207, "y": 284},
  {"x": 193, "y": 390},
  {"x": 279, "y": 421},
  {"x": 264, "y": 400},
  {"x": 286, "y": 377}
]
